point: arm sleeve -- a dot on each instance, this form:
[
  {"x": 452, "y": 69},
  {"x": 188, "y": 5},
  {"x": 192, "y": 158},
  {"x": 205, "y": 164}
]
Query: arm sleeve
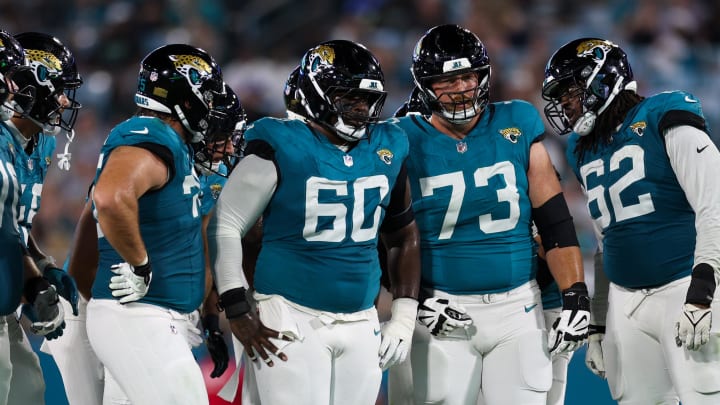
[
  {"x": 695, "y": 170},
  {"x": 242, "y": 201}
]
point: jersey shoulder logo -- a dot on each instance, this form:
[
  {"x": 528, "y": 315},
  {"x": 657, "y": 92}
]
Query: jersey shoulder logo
[
  {"x": 385, "y": 155},
  {"x": 638, "y": 127},
  {"x": 511, "y": 134}
]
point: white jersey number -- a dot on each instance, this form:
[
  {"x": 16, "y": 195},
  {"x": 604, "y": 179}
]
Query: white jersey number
[
  {"x": 191, "y": 185},
  {"x": 314, "y": 209},
  {"x": 481, "y": 176},
  {"x": 597, "y": 194}
]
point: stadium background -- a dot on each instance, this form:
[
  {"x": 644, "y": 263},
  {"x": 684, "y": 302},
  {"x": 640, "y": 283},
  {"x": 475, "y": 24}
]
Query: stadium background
[{"x": 672, "y": 44}]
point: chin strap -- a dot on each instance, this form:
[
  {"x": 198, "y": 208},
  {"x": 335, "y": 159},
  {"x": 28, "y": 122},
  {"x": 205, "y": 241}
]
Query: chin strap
[{"x": 64, "y": 162}]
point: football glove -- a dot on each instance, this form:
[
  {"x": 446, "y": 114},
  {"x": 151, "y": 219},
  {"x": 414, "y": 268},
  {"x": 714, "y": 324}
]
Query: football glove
[
  {"x": 216, "y": 345},
  {"x": 397, "y": 332},
  {"x": 64, "y": 284},
  {"x": 594, "y": 355},
  {"x": 570, "y": 330},
  {"x": 442, "y": 316},
  {"x": 45, "y": 312},
  {"x": 131, "y": 283},
  {"x": 693, "y": 329}
]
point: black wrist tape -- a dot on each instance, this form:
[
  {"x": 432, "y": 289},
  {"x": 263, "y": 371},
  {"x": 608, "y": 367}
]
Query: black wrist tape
[
  {"x": 211, "y": 322},
  {"x": 595, "y": 329},
  {"x": 234, "y": 302},
  {"x": 702, "y": 285},
  {"x": 33, "y": 287},
  {"x": 143, "y": 271},
  {"x": 576, "y": 297}
]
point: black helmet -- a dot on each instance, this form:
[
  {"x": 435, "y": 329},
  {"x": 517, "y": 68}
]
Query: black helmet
[
  {"x": 596, "y": 69},
  {"x": 334, "y": 78},
  {"x": 183, "y": 81},
  {"x": 293, "y": 104},
  {"x": 12, "y": 61},
  {"x": 53, "y": 73},
  {"x": 413, "y": 105},
  {"x": 448, "y": 50},
  {"x": 226, "y": 123}
]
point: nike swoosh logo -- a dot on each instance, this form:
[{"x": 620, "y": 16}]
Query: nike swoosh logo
[
  {"x": 699, "y": 150},
  {"x": 690, "y": 100},
  {"x": 529, "y": 308},
  {"x": 143, "y": 131},
  {"x": 376, "y": 332}
]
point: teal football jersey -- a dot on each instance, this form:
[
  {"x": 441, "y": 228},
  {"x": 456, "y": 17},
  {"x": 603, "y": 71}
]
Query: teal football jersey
[
  {"x": 11, "y": 273},
  {"x": 210, "y": 187},
  {"x": 648, "y": 226},
  {"x": 320, "y": 229},
  {"x": 471, "y": 202},
  {"x": 32, "y": 171},
  {"x": 169, "y": 222}
]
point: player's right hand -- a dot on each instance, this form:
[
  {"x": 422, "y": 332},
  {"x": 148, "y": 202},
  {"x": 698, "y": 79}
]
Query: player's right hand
[
  {"x": 216, "y": 345},
  {"x": 130, "y": 283},
  {"x": 594, "y": 355},
  {"x": 255, "y": 337},
  {"x": 64, "y": 284},
  {"x": 442, "y": 316},
  {"x": 46, "y": 314}
]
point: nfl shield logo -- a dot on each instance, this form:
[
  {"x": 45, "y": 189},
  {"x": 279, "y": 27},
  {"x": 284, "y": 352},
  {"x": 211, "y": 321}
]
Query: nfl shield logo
[
  {"x": 461, "y": 147},
  {"x": 30, "y": 164},
  {"x": 348, "y": 160},
  {"x": 153, "y": 76}
]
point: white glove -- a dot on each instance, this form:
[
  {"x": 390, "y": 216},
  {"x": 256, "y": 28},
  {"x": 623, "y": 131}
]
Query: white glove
[
  {"x": 193, "y": 334},
  {"x": 594, "y": 355},
  {"x": 128, "y": 285},
  {"x": 569, "y": 332},
  {"x": 397, "y": 332},
  {"x": 693, "y": 329},
  {"x": 48, "y": 317},
  {"x": 442, "y": 316}
]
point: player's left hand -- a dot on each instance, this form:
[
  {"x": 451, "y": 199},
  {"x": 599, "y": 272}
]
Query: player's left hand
[
  {"x": 128, "y": 285},
  {"x": 46, "y": 314},
  {"x": 64, "y": 284},
  {"x": 216, "y": 345},
  {"x": 693, "y": 329},
  {"x": 569, "y": 332},
  {"x": 397, "y": 332}
]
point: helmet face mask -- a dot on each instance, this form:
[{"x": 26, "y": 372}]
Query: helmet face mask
[
  {"x": 224, "y": 137},
  {"x": 182, "y": 81},
  {"x": 444, "y": 53},
  {"x": 341, "y": 86},
  {"x": 591, "y": 70},
  {"x": 53, "y": 73}
]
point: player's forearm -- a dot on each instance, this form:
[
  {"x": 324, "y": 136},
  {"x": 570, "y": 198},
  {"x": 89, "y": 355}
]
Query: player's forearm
[
  {"x": 404, "y": 261},
  {"x": 83, "y": 262},
  {"x": 117, "y": 215},
  {"x": 566, "y": 266}
]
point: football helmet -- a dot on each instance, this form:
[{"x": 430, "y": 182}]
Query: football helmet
[
  {"x": 449, "y": 50},
  {"x": 182, "y": 81},
  {"x": 293, "y": 104},
  {"x": 53, "y": 72},
  {"x": 223, "y": 141},
  {"x": 413, "y": 105},
  {"x": 341, "y": 86},
  {"x": 593, "y": 69},
  {"x": 12, "y": 61}
]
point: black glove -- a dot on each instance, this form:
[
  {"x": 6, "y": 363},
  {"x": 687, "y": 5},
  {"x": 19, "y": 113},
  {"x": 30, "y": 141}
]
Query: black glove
[{"x": 216, "y": 345}]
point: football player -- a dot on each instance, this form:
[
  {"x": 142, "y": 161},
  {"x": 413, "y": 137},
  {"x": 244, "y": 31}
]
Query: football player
[
  {"x": 146, "y": 200},
  {"x": 54, "y": 76},
  {"x": 323, "y": 187},
  {"x": 479, "y": 175},
  {"x": 647, "y": 167}
]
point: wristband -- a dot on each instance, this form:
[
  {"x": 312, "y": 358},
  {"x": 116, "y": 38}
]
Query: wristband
[
  {"x": 143, "y": 270},
  {"x": 33, "y": 287},
  {"x": 234, "y": 303},
  {"x": 595, "y": 329},
  {"x": 576, "y": 297},
  {"x": 702, "y": 285}
]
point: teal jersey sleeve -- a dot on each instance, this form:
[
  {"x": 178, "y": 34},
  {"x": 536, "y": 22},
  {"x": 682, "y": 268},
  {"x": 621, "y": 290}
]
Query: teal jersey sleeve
[{"x": 32, "y": 171}]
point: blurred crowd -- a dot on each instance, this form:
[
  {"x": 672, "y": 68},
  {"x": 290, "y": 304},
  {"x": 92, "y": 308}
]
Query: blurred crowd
[{"x": 672, "y": 44}]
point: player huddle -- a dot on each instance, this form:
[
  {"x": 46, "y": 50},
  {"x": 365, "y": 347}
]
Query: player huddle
[{"x": 291, "y": 225}]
